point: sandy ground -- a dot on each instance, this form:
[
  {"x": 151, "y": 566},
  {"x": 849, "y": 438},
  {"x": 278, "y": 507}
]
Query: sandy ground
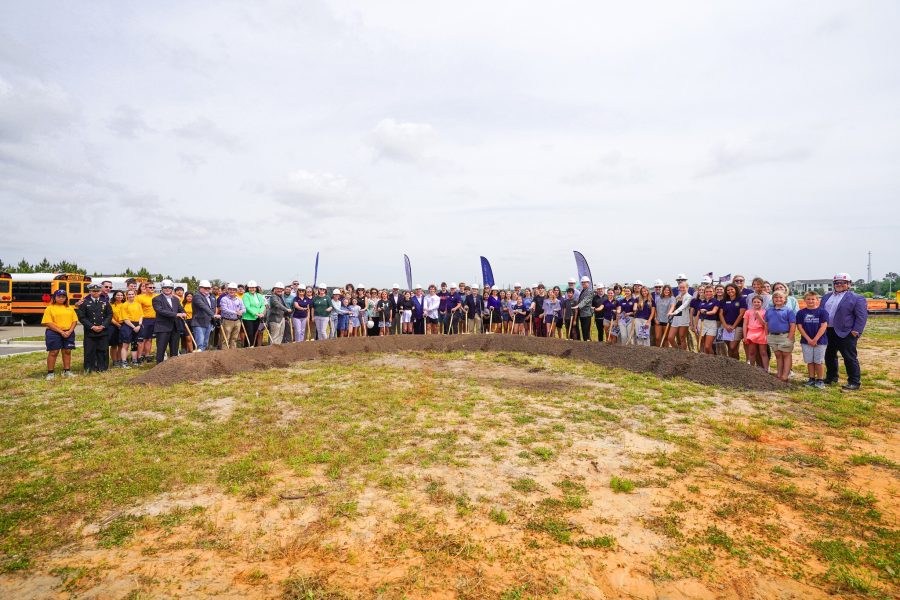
[{"x": 437, "y": 536}]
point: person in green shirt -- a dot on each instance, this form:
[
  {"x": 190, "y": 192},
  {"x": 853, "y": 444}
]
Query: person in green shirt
[
  {"x": 321, "y": 313},
  {"x": 254, "y": 311}
]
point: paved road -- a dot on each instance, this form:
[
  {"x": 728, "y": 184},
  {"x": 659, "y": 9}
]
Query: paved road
[{"x": 17, "y": 331}]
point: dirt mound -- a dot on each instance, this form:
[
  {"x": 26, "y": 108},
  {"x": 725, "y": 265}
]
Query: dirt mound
[{"x": 662, "y": 362}]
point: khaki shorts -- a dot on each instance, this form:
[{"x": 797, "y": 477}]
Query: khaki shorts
[
  {"x": 708, "y": 327},
  {"x": 738, "y": 334},
  {"x": 780, "y": 342}
]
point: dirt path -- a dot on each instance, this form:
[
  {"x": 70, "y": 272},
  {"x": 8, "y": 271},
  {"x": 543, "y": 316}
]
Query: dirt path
[{"x": 662, "y": 362}]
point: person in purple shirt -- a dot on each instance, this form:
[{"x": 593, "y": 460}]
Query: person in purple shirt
[
  {"x": 731, "y": 316},
  {"x": 454, "y": 310},
  {"x": 812, "y": 321},
  {"x": 708, "y": 317},
  {"x": 847, "y": 315},
  {"x": 300, "y": 315}
]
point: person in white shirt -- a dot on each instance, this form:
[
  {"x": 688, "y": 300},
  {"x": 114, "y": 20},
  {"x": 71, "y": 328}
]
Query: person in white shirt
[{"x": 431, "y": 305}]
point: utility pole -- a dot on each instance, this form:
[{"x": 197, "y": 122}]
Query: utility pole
[{"x": 869, "y": 269}]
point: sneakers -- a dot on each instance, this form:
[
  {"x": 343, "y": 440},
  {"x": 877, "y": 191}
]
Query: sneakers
[
  {"x": 850, "y": 387},
  {"x": 68, "y": 374},
  {"x": 124, "y": 365},
  {"x": 819, "y": 384},
  {"x": 810, "y": 382},
  {"x": 50, "y": 376}
]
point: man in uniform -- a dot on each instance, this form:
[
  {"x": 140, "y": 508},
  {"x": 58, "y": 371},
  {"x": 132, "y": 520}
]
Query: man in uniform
[{"x": 95, "y": 316}]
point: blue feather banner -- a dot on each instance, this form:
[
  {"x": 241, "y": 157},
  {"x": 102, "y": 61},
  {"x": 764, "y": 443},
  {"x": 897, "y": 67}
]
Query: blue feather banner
[{"x": 487, "y": 274}]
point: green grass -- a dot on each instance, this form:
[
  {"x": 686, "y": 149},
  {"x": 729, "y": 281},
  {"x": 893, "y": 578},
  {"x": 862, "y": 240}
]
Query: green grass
[{"x": 621, "y": 485}]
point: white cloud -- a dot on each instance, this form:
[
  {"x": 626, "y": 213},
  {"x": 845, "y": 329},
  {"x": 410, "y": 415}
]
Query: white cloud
[
  {"x": 317, "y": 194},
  {"x": 401, "y": 141}
]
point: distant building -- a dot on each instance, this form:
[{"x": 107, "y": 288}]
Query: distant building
[{"x": 801, "y": 286}]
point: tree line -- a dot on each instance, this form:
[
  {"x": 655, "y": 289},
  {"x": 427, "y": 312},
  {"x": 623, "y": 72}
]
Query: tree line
[{"x": 45, "y": 266}]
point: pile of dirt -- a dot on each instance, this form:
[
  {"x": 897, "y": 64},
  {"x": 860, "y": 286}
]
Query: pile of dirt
[{"x": 662, "y": 362}]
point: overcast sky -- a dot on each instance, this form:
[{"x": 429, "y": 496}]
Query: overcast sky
[{"x": 236, "y": 139}]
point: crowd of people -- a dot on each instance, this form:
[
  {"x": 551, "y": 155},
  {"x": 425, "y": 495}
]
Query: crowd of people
[{"x": 120, "y": 326}]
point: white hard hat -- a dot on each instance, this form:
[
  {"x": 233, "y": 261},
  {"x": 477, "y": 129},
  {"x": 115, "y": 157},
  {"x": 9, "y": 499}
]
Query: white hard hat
[
  {"x": 452, "y": 285},
  {"x": 251, "y": 284},
  {"x": 396, "y": 286},
  {"x": 599, "y": 285},
  {"x": 658, "y": 282},
  {"x": 706, "y": 279},
  {"x": 842, "y": 277},
  {"x": 418, "y": 286},
  {"x": 322, "y": 286},
  {"x": 301, "y": 285},
  {"x": 585, "y": 278},
  {"x": 335, "y": 291},
  {"x": 278, "y": 284},
  {"x": 638, "y": 282},
  {"x": 231, "y": 286},
  {"x": 681, "y": 277},
  {"x": 204, "y": 283},
  {"x": 474, "y": 286},
  {"x": 517, "y": 284},
  {"x": 360, "y": 285},
  {"x": 534, "y": 285},
  {"x": 167, "y": 283},
  {"x": 572, "y": 280}
]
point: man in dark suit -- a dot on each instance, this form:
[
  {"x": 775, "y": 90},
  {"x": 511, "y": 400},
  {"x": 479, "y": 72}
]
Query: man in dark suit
[
  {"x": 847, "y": 315},
  {"x": 204, "y": 315},
  {"x": 169, "y": 325},
  {"x": 95, "y": 316}
]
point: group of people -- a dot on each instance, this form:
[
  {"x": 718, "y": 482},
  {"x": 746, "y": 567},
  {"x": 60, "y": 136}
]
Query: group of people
[{"x": 714, "y": 318}]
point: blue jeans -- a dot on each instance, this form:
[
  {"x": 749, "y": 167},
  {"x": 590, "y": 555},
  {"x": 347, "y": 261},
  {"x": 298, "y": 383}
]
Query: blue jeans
[{"x": 201, "y": 336}]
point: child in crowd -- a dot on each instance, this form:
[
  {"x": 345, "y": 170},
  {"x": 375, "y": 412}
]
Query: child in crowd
[
  {"x": 343, "y": 317},
  {"x": 755, "y": 340},
  {"x": 813, "y": 324},
  {"x": 780, "y": 326},
  {"x": 355, "y": 324}
]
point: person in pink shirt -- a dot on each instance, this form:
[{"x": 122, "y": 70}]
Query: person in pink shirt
[{"x": 755, "y": 339}]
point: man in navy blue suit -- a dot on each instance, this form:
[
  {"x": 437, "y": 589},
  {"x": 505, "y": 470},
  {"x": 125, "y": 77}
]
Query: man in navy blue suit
[{"x": 847, "y": 314}]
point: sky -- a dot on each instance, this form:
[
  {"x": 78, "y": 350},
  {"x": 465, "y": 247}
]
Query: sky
[{"x": 235, "y": 140}]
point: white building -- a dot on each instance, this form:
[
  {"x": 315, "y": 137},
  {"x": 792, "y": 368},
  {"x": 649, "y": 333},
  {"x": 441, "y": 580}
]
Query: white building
[{"x": 801, "y": 286}]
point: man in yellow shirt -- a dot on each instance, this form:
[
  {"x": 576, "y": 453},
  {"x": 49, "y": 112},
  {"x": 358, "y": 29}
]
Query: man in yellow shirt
[
  {"x": 145, "y": 337},
  {"x": 60, "y": 320}
]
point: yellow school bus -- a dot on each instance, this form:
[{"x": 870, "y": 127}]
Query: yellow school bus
[
  {"x": 32, "y": 292},
  {"x": 5, "y": 298}
]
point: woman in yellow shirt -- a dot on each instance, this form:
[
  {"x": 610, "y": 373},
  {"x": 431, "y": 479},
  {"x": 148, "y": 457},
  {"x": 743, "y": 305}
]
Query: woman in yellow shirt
[
  {"x": 116, "y": 302},
  {"x": 187, "y": 303},
  {"x": 145, "y": 341},
  {"x": 131, "y": 317},
  {"x": 60, "y": 320}
]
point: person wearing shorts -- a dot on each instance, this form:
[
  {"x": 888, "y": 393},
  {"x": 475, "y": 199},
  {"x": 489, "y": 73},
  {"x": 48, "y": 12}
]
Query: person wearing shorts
[
  {"x": 385, "y": 313},
  {"x": 812, "y": 322},
  {"x": 644, "y": 312},
  {"x": 680, "y": 317},
  {"x": 130, "y": 316},
  {"x": 625, "y": 316},
  {"x": 60, "y": 320},
  {"x": 731, "y": 317},
  {"x": 145, "y": 299},
  {"x": 430, "y": 307},
  {"x": 708, "y": 319},
  {"x": 780, "y": 327},
  {"x": 552, "y": 307}
]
